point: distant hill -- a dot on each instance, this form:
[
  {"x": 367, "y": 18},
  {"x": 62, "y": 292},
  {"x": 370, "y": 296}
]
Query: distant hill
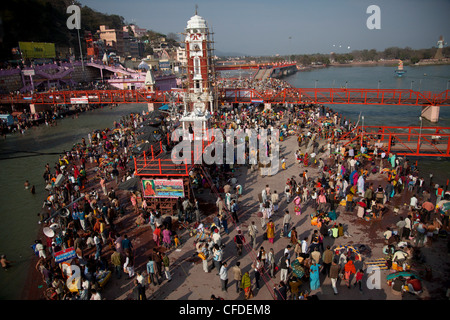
[
  {"x": 223, "y": 54},
  {"x": 45, "y": 21}
]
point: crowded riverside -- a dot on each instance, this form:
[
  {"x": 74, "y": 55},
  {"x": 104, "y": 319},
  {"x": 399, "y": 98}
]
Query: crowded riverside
[{"x": 313, "y": 229}]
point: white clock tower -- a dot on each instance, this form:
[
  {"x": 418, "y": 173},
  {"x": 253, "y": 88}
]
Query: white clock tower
[{"x": 199, "y": 99}]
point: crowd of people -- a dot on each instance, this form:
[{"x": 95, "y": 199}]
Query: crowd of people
[
  {"x": 83, "y": 211},
  {"x": 84, "y": 207},
  {"x": 269, "y": 84},
  {"x": 339, "y": 184},
  {"x": 23, "y": 121}
]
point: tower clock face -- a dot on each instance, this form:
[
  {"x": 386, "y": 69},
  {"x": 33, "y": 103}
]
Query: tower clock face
[
  {"x": 196, "y": 50},
  {"x": 198, "y": 107}
]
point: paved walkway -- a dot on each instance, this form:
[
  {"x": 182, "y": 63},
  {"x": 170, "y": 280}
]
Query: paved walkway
[{"x": 190, "y": 282}]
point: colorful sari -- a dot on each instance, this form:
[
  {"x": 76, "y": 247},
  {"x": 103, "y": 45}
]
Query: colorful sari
[
  {"x": 246, "y": 284},
  {"x": 297, "y": 208},
  {"x": 314, "y": 281}
]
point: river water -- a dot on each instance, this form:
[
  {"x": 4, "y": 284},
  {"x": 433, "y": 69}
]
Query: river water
[
  {"x": 19, "y": 208},
  {"x": 418, "y": 78}
]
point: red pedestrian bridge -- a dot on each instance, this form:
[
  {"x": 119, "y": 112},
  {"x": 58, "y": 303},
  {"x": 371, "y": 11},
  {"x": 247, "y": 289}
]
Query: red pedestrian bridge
[
  {"x": 399, "y": 97},
  {"x": 403, "y": 141}
]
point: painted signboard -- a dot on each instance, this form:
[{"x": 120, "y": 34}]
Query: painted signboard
[
  {"x": 163, "y": 188},
  {"x": 79, "y": 100},
  {"x": 37, "y": 50},
  {"x": 64, "y": 255}
]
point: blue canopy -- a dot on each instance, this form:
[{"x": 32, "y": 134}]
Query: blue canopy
[{"x": 164, "y": 107}]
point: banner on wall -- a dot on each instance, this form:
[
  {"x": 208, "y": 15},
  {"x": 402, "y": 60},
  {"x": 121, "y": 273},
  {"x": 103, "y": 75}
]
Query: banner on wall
[
  {"x": 64, "y": 255},
  {"x": 37, "y": 50},
  {"x": 83, "y": 100},
  {"x": 163, "y": 188}
]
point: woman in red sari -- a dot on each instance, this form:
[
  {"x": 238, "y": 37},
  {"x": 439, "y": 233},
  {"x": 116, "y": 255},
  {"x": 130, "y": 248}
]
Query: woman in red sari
[{"x": 157, "y": 236}]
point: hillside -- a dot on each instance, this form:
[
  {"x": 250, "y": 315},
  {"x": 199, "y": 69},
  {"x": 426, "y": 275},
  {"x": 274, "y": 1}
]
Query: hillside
[{"x": 45, "y": 21}]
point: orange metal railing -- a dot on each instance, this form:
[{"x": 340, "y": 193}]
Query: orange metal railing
[
  {"x": 404, "y": 141},
  {"x": 242, "y": 95},
  {"x": 158, "y": 162}
]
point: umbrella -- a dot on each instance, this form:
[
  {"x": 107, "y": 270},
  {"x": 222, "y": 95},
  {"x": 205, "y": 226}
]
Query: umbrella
[
  {"x": 132, "y": 184},
  {"x": 164, "y": 107},
  {"x": 403, "y": 274},
  {"x": 149, "y": 136},
  {"x": 351, "y": 248},
  {"x": 49, "y": 232},
  {"x": 145, "y": 129},
  {"x": 154, "y": 122},
  {"x": 142, "y": 147}
]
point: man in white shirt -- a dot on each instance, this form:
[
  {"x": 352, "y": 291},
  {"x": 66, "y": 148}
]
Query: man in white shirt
[
  {"x": 351, "y": 152},
  {"x": 387, "y": 234},
  {"x": 352, "y": 163},
  {"x": 274, "y": 197},
  {"x": 399, "y": 256},
  {"x": 95, "y": 295},
  {"x": 304, "y": 244},
  {"x": 40, "y": 249},
  {"x": 413, "y": 202},
  {"x": 223, "y": 274},
  {"x": 98, "y": 245},
  {"x": 407, "y": 227},
  {"x": 217, "y": 239}
]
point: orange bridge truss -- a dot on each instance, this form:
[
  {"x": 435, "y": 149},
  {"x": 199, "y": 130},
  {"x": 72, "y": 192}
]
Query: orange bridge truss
[{"x": 400, "y": 97}]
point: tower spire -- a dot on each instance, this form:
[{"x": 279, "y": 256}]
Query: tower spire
[{"x": 196, "y": 7}]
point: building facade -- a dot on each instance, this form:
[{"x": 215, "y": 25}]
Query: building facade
[
  {"x": 113, "y": 39},
  {"x": 138, "y": 32}
]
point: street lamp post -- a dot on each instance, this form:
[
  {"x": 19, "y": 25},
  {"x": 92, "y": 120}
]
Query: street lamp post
[
  {"x": 346, "y": 84},
  {"x": 290, "y": 49},
  {"x": 316, "y": 84},
  {"x": 379, "y": 84},
  {"x": 420, "y": 133},
  {"x": 362, "y": 131},
  {"x": 412, "y": 84}
]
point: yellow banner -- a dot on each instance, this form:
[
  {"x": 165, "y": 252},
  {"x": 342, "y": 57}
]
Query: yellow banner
[{"x": 37, "y": 50}]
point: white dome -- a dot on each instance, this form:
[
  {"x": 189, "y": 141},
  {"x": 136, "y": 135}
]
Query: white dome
[
  {"x": 196, "y": 22},
  {"x": 143, "y": 65}
]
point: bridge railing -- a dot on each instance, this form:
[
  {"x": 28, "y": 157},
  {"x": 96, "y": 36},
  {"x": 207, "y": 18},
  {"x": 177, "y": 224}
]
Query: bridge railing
[
  {"x": 405, "y": 141},
  {"x": 338, "y": 96},
  {"x": 157, "y": 161},
  {"x": 245, "y": 95}
]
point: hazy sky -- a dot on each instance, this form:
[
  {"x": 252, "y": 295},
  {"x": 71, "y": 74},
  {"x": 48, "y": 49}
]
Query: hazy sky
[{"x": 263, "y": 27}]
